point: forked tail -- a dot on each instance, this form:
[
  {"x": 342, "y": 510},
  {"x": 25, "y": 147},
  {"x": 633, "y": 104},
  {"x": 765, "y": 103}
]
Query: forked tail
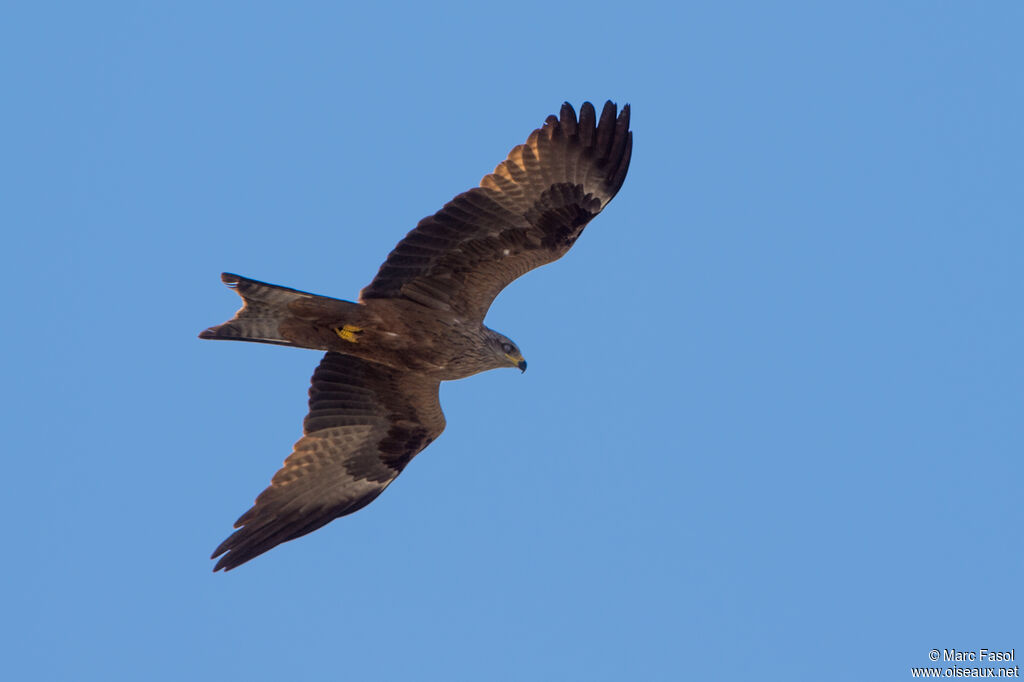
[{"x": 273, "y": 314}]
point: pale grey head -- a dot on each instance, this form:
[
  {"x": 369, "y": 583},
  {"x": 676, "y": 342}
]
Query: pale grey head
[{"x": 505, "y": 351}]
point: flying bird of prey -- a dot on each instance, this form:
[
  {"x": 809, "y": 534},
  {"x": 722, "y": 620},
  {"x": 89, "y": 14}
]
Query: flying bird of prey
[{"x": 373, "y": 404}]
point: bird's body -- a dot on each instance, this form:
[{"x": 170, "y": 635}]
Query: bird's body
[
  {"x": 374, "y": 398},
  {"x": 393, "y": 332}
]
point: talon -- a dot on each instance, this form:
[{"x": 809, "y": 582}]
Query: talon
[{"x": 349, "y": 332}]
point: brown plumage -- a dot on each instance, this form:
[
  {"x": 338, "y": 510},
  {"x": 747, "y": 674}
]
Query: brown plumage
[{"x": 373, "y": 404}]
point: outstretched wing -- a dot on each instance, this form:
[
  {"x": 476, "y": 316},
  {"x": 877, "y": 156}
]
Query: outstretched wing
[
  {"x": 365, "y": 422},
  {"x": 526, "y": 213}
]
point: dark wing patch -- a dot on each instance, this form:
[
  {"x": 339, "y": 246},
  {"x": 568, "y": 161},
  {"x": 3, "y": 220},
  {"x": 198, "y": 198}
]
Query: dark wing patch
[
  {"x": 526, "y": 213},
  {"x": 365, "y": 422}
]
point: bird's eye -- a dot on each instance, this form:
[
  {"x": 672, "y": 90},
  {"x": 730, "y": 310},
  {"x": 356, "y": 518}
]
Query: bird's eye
[{"x": 507, "y": 347}]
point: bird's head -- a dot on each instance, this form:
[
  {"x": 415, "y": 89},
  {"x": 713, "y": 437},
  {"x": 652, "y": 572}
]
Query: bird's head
[{"x": 505, "y": 351}]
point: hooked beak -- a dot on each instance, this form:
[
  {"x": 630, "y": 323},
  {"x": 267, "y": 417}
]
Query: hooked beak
[{"x": 517, "y": 361}]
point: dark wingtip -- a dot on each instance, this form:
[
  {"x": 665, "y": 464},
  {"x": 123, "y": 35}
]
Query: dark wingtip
[
  {"x": 587, "y": 123},
  {"x": 620, "y": 147},
  {"x": 227, "y": 561},
  {"x": 567, "y": 119},
  {"x": 618, "y": 174}
]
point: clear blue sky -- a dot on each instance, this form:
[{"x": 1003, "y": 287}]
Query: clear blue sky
[{"x": 771, "y": 427}]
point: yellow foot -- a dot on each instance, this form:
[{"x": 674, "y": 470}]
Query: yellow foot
[{"x": 349, "y": 332}]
